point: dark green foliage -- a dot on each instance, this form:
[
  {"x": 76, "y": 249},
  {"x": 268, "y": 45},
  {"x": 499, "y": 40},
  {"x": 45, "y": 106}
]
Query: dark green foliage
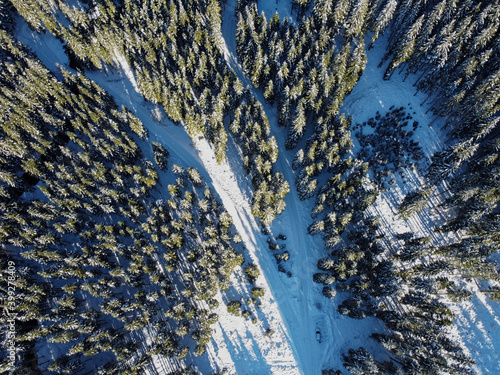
[
  {"x": 462, "y": 39},
  {"x": 390, "y": 147},
  {"x": 282, "y": 257},
  {"x": 252, "y": 272},
  {"x": 258, "y": 292},
  {"x": 329, "y": 292},
  {"x": 368, "y": 280},
  {"x": 251, "y": 127},
  {"x": 414, "y": 203},
  {"x": 161, "y": 155},
  {"x": 192, "y": 84},
  {"x": 493, "y": 293},
  {"x": 360, "y": 362},
  {"x": 269, "y": 332},
  {"x": 104, "y": 247},
  {"x": 81, "y": 207},
  {"x": 234, "y": 307},
  {"x": 346, "y": 193},
  {"x": 297, "y": 67},
  {"x": 177, "y": 63}
]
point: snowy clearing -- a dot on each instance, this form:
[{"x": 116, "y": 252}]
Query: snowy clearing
[{"x": 477, "y": 323}]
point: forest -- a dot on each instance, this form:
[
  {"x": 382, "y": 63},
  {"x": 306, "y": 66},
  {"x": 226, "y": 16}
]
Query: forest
[{"x": 117, "y": 251}]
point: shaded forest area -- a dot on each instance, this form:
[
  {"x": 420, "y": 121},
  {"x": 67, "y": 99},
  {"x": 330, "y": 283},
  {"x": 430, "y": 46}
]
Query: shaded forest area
[{"x": 102, "y": 248}]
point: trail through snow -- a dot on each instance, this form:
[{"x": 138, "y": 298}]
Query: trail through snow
[
  {"x": 123, "y": 63},
  {"x": 238, "y": 346},
  {"x": 278, "y": 356},
  {"x": 302, "y": 305},
  {"x": 305, "y": 309}
]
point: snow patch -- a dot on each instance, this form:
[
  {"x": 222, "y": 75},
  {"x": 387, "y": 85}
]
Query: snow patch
[
  {"x": 282, "y": 7},
  {"x": 240, "y": 347},
  {"x": 123, "y": 63}
]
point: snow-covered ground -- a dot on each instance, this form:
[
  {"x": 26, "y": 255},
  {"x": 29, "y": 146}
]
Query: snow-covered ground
[
  {"x": 373, "y": 94},
  {"x": 282, "y": 7},
  {"x": 477, "y": 326},
  {"x": 293, "y": 306},
  {"x": 238, "y": 345},
  {"x": 477, "y": 323},
  {"x": 303, "y": 307}
]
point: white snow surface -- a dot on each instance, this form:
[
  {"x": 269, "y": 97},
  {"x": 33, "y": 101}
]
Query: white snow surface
[
  {"x": 303, "y": 307},
  {"x": 293, "y": 307},
  {"x": 125, "y": 66},
  {"x": 282, "y": 7},
  {"x": 477, "y": 321},
  {"x": 241, "y": 348}
]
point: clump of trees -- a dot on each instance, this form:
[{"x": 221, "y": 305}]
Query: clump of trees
[
  {"x": 405, "y": 291},
  {"x": 390, "y": 147},
  {"x": 81, "y": 209},
  {"x": 161, "y": 155},
  {"x": 251, "y": 127},
  {"x": 345, "y": 193},
  {"x": 299, "y": 68}
]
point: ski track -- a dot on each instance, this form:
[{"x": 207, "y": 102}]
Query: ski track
[
  {"x": 296, "y": 301},
  {"x": 238, "y": 346},
  {"x": 279, "y": 359},
  {"x": 125, "y": 66},
  {"x": 293, "y": 307},
  {"x": 303, "y": 306}
]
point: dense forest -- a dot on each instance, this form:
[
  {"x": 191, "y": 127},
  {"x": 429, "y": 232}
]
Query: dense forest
[{"x": 110, "y": 239}]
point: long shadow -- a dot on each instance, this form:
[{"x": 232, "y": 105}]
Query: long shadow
[
  {"x": 246, "y": 362},
  {"x": 481, "y": 335}
]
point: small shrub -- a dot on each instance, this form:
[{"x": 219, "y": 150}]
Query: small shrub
[
  {"x": 269, "y": 332},
  {"x": 213, "y": 303},
  {"x": 199, "y": 350},
  {"x": 252, "y": 272},
  {"x": 329, "y": 292},
  {"x": 258, "y": 292},
  {"x": 161, "y": 155},
  {"x": 234, "y": 307}
]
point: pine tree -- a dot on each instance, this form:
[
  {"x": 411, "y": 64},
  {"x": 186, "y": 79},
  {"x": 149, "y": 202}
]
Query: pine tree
[
  {"x": 383, "y": 19},
  {"x": 406, "y": 47}
]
